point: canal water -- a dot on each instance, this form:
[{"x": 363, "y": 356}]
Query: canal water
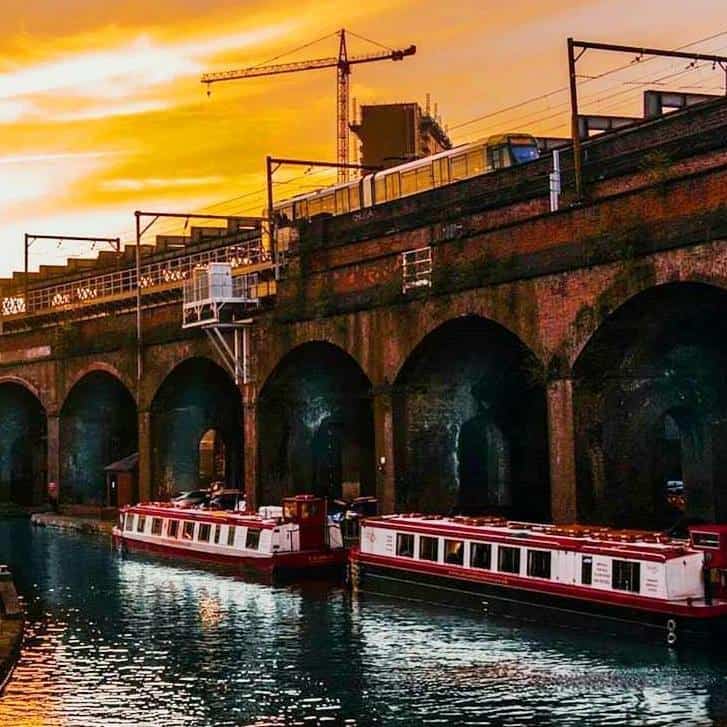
[{"x": 128, "y": 641}]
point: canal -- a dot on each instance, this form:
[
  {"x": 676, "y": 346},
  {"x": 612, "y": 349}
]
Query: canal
[{"x": 126, "y": 641}]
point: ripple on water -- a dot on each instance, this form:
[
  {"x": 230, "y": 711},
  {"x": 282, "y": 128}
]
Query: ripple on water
[{"x": 133, "y": 642}]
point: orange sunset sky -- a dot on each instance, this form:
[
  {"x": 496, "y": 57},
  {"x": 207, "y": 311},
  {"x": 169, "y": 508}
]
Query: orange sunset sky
[{"x": 102, "y": 112}]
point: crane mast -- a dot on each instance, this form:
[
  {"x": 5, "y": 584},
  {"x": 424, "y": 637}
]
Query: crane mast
[{"x": 342, "y": 63}]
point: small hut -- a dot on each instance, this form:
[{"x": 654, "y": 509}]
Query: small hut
[{"x": 122, "y": 480}]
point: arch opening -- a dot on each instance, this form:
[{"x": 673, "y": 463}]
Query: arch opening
[
  {"x": 196, "y": 429},
  {"x": 23, "y": 446},
  {"x": 316, "y": 426},
  {"x": 98, "y": 426},
  {"x": 651, "y": 410},
  {"x": 470, "y": 424}
]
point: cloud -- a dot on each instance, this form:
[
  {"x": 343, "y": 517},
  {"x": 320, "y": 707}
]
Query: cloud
[{"x": 136, "y": 185}]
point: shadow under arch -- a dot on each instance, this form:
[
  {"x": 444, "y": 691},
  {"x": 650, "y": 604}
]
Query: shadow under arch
[
  {"x": 23, "y": 445},
  {"x": 197, "y": 396},
  {"x": 98, "y": 426},
  {"x": 470, "y": 424},
  {"x": 316, "y": 426},
  {"x": 650, "y": 404}
]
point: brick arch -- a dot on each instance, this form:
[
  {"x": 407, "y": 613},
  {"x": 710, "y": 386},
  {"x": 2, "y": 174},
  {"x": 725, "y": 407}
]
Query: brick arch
[
  {"x": 95, "y": 366},
  {"x": 432, "y": 317},
  {"x": 323, "y": 335},
  {"x": 20, "y": 381},
  {"x": 619, "y": 293},
  {"x": 316, "y": 430}
]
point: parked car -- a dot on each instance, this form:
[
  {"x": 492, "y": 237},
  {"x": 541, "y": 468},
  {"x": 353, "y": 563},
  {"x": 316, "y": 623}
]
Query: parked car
[{"x": 190, "y": 499}]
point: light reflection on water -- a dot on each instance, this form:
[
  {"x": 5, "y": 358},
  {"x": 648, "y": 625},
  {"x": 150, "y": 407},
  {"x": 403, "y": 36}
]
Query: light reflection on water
[{"x": 137, "y": 642}]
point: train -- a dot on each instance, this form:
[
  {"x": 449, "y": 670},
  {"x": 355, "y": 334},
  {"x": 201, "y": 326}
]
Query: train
[{"x": 447, "y": 167}]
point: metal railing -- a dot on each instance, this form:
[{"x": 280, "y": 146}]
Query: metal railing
[
  {"x": 155, "y": 276},
  {"x": 416, "y": 269}
]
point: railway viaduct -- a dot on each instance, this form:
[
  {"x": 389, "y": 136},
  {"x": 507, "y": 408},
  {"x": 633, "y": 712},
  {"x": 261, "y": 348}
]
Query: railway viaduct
[{"x": 462, "y": 348}]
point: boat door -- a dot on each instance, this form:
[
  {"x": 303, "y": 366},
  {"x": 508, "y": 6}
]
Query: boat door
[{"x": 309, "y": 513}]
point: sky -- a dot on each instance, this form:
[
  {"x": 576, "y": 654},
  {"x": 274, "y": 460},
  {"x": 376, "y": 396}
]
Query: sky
[{"x": 102, "y": 111}]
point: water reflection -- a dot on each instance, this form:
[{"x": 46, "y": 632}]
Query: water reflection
[{"x": 136, "y": 642}]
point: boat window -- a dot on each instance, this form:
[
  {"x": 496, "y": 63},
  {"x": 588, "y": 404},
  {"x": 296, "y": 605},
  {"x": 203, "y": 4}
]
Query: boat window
[
  {"x": 308, "y": 509},
  {"x": 706, "y": 540},
  {"x": 539, "y": 563},
  {"x": 252, "y": 539},
  {"x": 454, "y": 552},
  {"x": 173, "y": 528},
  {"x": 188, "y": 530},
  {"x": 508, "y": 559},
  {"x": 231, "y": 536},
  {"x": 156, "y": 526},
  {"x": 405, "y": 545},
  {"x": 218, "y": 530},
  {"x": 408, "y": 182},
  {"x": 586, "y": 570},
  {"x": 481, "y": 555},
  {"x": 626, "y": 576},
  {"x": 428, "y": 548},
  {"x": 203, "y": 533},
  {"x": 129, "y": 521},
  {"x": 141, "y": 524}
]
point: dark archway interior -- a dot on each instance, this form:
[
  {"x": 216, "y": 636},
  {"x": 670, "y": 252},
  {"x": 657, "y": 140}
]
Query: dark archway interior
[
  {"x": 212, "y": 458},
  {"x": 196, "y": 397},
  {"x": 23, "y": 428},
  {"x": 316, "y": 426},
  {"x": 470, "y": 421},
  {"x": 651, "y": 410},
  {"x": 98, "y": 426}
]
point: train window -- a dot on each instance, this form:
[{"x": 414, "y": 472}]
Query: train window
[
  {"x": 626, "y": 576},
  {"x": 499, "y": 156},
  {"x": 586, "y": 570},
  {"x": 301, "y": 209},
  {"x": 508, "y": 559},
  {"x": 475, "y": 162},
  {"x": 252, "y": 539},
  {"x": 156, "y": 526},
  {"x": 522, "y": 153},
  {"x": 444, "y": 170},
  {"x": 393, "y": 188},
  {"x": 328, "y": 203},
  {"x": 539, "y": 563},
  {"x": 428, "y": 548},
  {"x": 314, "y": 206},
  {"x": 424, "y": 178},
  {"x": 379, "y": 190},
  {"x": 408, "y": 182},
  {"x": 354, "y": 197},
  {"x": 341, "y": 201},
  {"x": 454, "y": 552},
  {"x": 481, "y": 555},
  {"x": 458, "y": 167},
  {"x": 405, "y": 545}
]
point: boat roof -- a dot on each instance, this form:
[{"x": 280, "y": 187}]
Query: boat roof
[
  {"x": 593, "y": 539},
  {"x": 214, "y": 517}
]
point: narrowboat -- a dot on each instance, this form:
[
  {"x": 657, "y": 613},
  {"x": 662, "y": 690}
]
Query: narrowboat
[
  {"x": 297, "y": 537},
  {"x": 590, "y": 577}
]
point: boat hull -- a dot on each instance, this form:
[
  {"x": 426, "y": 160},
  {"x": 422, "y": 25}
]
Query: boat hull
[
  {"x": 502, "y": 600},
  {"x": 298, "y": 563}
]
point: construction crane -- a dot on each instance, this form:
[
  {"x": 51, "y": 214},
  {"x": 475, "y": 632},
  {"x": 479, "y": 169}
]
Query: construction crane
[{"x": 342, "y": 63}]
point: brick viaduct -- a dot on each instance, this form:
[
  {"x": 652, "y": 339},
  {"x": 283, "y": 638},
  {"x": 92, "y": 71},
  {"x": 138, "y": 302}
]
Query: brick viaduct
[{"x": 561, "y": 365}]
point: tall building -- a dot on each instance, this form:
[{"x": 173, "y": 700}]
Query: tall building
[{"x": 395, "y": 133}]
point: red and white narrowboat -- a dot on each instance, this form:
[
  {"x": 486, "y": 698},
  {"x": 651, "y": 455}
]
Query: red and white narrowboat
[
  {"x": 299, "y": 537},
  {"x": 588, "y": 576}
]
